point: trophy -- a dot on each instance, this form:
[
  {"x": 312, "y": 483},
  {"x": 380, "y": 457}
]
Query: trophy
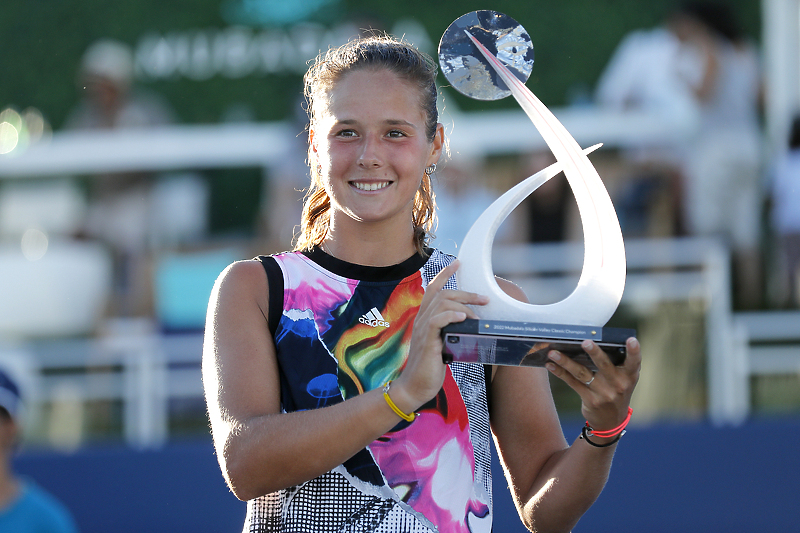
[{"x": 488, "y": 55}]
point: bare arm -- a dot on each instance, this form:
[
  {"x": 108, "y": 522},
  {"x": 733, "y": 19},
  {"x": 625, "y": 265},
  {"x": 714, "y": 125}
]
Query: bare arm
[
  {"x": 554, "y": 484},
  {"x": 260, "y": 449}
]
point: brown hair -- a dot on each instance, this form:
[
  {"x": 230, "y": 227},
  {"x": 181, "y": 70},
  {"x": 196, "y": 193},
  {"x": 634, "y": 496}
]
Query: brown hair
[{"x": 410, "y": 64}]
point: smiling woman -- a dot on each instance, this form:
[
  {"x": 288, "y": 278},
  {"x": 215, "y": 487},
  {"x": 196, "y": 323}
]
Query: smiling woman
[
  {"x": 371, "y": 149},
  {"x": 402, "y": 72},
  {"x": 330, "y": 406}
]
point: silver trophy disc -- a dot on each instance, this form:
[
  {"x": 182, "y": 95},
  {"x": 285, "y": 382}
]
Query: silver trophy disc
[{"x": 468, "y": 70}]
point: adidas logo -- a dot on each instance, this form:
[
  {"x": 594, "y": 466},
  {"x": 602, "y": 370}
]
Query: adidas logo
[{"x": 373, "y": 318}]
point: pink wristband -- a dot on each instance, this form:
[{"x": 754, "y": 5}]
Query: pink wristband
[{"x": 611, "y": 432}]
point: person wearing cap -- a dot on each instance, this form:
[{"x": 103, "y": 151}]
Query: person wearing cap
[
  {"x": 121, "y": 203},
  {"x": 24, "y": 506},
  {"x": 109, "y": 99}
]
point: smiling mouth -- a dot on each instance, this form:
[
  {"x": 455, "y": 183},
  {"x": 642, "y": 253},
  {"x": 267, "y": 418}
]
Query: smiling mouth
[{"x": 371, "y": 186}]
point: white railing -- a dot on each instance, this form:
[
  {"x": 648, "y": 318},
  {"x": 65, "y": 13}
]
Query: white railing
[
  {"x": 765, "y": 343},
  {"x": 658, "y": 270},
  {"x": 167, "y": 148},
  {"x": 131, "y": 363}
]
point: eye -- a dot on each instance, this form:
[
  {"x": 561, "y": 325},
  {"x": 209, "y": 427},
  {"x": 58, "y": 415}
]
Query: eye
[
  {"x": 396, "y": 134},
  {"x": 346, "y": 133}
]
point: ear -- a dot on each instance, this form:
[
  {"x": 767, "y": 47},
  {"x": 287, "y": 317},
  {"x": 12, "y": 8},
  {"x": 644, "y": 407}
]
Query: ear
[{"x": 437, "y": 145}]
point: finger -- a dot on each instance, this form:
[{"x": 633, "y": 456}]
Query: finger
[
  {"x": 603, "y": 361},
  {"x": 599, "y": 357},
  {"x": 434, "y": 288},
  {"x": 455, "y": 301},
  {"x": 439, "y": 280},
  {"x": 633, "y": 360},
  {"x": 435, "y": 291},
  {"x": 573, "y": 373},
  {"x": 565, "y": 376},
  {"x": 447, "y": 316},
  {"x": 463, "y": 297}
]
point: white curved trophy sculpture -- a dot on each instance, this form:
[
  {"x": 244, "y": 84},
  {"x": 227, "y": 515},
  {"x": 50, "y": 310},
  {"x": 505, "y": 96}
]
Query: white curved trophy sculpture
[
  {"x": 511, "y": 332},
  {"x": 602, "y": 280}
]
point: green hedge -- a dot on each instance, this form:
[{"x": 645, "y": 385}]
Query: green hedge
[{"x": 42, "y": 42}]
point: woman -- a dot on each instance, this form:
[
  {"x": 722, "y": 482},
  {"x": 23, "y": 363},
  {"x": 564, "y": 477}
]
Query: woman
[{"x": 330, "y": 406}]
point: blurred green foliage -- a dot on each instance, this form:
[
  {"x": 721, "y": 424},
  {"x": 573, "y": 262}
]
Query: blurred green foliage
[{"x": 42, "y": 42}]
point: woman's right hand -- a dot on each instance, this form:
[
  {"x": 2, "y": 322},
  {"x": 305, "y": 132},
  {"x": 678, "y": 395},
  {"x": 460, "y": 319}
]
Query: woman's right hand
[{"x": 424, "y": 372}]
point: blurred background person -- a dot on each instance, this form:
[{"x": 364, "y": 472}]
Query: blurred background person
[
  {"x": 282, "y": 205},
  {"x": 24, "y": 506},
  {"x": 462, "y": 195},
  {"x": 135, "y": 213},
  {"x": 551, "y": 210},
  {"x": 647, "y": 74},
  {"x": 652, "y": 72},
  {"x": 785, "y": 215},
  {"x": 109, "y": 98},
  {"x": 723, "y": 186}
]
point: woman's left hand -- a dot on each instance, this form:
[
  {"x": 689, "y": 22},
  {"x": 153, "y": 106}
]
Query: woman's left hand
[{"x": 605, "y": 394}]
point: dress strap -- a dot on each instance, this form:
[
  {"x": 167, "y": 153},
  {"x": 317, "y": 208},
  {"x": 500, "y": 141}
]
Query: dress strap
[{"x": 275, "y": 284}]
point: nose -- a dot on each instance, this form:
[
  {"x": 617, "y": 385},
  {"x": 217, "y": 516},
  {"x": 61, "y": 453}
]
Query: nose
[{"x": 370, "y": 156}]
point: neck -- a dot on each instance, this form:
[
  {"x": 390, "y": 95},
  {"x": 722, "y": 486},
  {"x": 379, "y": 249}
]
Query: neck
[{"x": 362, "y": 244}]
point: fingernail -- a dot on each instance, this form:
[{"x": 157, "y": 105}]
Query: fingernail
[
  {"x": 633, "y": 343},
  {"x": 587, "y": 345},
  {"x": 555, "y": 356},
  {"x": 550, "y": 367}
]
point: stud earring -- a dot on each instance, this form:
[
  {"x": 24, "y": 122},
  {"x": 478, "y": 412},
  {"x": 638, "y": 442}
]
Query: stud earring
[{"x": 430, "y": 170}]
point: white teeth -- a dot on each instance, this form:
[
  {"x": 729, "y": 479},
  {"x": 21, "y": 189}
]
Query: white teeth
[{"x": 370, "y": 186}]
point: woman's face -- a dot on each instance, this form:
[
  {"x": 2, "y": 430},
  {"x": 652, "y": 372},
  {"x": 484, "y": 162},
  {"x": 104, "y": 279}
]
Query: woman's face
[{"x": 369, "y": 141}]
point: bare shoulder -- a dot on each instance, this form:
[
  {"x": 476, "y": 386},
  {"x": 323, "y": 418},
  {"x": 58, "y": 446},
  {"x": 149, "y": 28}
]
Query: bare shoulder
[
  {"x": 249, "y": 271},
  {"x": 243, "y": 279}
]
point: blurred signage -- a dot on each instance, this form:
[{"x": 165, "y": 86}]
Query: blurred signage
[
  {"x": 239, "y": 51},
  {"x": 272, "y": 12}
]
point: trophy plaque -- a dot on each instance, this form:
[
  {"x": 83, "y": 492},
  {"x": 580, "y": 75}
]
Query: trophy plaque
[
  {"x": 488, "y": 55},
  {"x": 501, "y": 342}
]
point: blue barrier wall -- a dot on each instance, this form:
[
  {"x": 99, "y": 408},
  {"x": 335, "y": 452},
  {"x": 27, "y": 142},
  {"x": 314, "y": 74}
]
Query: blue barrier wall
[
  {"x": 693, "y": 479},
  {"x": 176, "y": 489},
  {"x": 687, "y": 478}
]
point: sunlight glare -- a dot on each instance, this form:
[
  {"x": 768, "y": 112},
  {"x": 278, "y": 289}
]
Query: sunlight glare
[
  {"x": 9, "y": 137},
  {"x": 34, "y": 244}
]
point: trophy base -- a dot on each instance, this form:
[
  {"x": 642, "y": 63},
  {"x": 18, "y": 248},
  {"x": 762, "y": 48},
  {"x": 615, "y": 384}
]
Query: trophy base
[{"x": 500, "y": 342}]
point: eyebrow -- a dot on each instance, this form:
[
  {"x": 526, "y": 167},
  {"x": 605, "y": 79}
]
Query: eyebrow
[{"x": 390, "y": 122}]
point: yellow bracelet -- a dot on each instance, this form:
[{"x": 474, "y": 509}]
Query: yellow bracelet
[{"x": 398, "y": 412}]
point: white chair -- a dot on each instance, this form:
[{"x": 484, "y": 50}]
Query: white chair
[
  {"x": 54, "y": 207},
  {"x": 62, "y": 293}
]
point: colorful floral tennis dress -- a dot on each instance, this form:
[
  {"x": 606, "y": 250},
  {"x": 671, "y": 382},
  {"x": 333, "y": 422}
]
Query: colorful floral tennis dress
[{"x": 343, "y": 329}]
